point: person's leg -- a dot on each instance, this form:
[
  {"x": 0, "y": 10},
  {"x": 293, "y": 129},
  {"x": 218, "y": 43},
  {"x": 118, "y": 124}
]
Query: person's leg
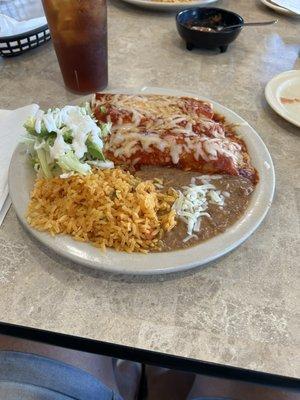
[
  {"x": 209, "y": 388},
  {"x": 100, "y": 367},
  {"x": 33, "y": 377},
  {"x": 128, "y": 377},
  {"x": 167, "y": 384},
  {"x": 105, "y": 369}
]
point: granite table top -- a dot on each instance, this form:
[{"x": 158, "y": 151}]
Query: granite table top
[{"x": 240, "y": 310}]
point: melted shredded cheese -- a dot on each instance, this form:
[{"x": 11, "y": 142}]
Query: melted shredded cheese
[
  {"x": 164, "y": 123},
  {"x": 193, "y": 200}
]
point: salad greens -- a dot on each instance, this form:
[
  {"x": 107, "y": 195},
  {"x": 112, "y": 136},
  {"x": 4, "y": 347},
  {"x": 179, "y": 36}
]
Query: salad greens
[{"x": 66, "y": 140}]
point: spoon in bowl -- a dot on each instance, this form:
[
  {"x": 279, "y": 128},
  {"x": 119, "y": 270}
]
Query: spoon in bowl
[{"x": 224, "y": 28}]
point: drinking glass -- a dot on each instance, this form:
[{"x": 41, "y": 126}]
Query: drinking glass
[{"x": 79, "y": 32}]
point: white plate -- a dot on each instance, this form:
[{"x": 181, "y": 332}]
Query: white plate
[
  {"x": 279, "y": 9},
  {"x": 285, "y": 85},
  {"x": 21, "y": 178},
  {"x": 161, "y": 6}
]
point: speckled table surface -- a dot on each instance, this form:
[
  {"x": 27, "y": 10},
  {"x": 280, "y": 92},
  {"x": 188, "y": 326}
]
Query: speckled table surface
[{"x": 240, "y": 310}]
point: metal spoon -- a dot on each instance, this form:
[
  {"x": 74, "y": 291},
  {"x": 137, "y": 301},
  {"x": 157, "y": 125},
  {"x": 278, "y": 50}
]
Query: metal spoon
[{"x": 223, "y": 28}]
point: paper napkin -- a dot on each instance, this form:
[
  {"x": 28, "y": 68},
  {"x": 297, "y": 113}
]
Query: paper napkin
[
  {"x": 11, "y": 130},
  {"x": 20, "y": 16},
  {"x": 10, "y": 26}
]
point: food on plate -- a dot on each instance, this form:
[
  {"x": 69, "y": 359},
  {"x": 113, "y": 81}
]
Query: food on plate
[
  {"x": 206, "y": 206},
  {"x": 172, "y": 1},
  {"x": 138, "y": 173},
  {"x": 171, "y": 131},
  {"x": 285, "y": 100},
  {"x": 109, "y": 208},
  {"x": 65, "y": 140}
]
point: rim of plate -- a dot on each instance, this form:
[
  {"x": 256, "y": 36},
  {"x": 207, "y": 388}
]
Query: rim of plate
[
  {"x": 160, "y": 5},
  {"x": 20, "y": 173},
  {"x": 271, "y": 94},
  {"x": 280, "y": 9}
]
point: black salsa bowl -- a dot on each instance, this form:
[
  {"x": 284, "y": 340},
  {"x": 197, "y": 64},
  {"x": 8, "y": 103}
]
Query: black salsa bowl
[{"x": 208, "y": 18}]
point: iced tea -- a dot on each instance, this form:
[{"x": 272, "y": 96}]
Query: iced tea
[{"x": 79, "y": 33}]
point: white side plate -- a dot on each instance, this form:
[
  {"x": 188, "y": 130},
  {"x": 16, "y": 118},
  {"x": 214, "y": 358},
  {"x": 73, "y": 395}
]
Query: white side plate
[
  {"x": 285, "y": 86},
  {"x": 279, "y": 9},
  {"x": 21, "y": 179},
  {"x": 164, "y": 6}
]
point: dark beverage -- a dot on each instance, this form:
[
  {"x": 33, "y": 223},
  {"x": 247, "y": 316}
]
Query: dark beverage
[{"x": 79, "y": 33}]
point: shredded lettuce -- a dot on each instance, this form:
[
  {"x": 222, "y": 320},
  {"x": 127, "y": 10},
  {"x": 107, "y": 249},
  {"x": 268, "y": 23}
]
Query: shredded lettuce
[
  {"x": 61, "y": 141},
  {"x": 69, "y": 162},
  {"x": 43, "y": 162},
  {"x": 94, "y": 150}
]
